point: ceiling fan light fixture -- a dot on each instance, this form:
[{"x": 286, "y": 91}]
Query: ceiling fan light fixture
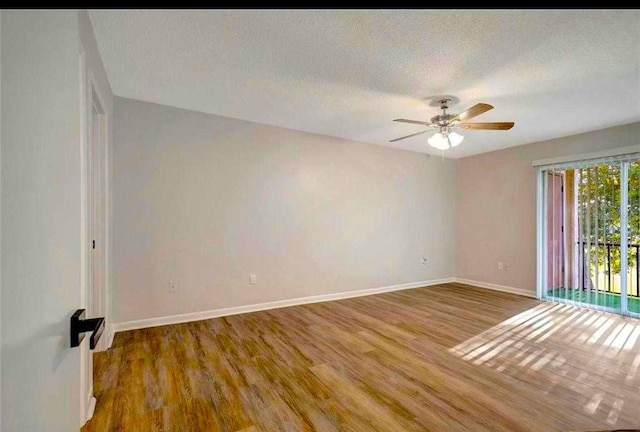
[
  {"x": 455, "y": 138},
  {"x": 439, "y": 141}
]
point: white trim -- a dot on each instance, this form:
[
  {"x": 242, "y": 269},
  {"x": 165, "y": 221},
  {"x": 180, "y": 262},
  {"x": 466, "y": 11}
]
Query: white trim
[
  {"x": 110, "y": 334},
  {"x": 84, "y": 234},
  {"x": 101, "y": 231},
  {"x": 496, "y": 287},
  {"x": 91, "y": 406},
  {"x": 216, "y": 313},
  {"x": 108, "y": 228},
  {"x": 587, "y": 156},
  {"x": 89, "y": 94},
  {"x": 540, "y": 234}
]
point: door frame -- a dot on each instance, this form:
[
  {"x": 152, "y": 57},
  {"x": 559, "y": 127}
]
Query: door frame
[
  {"x": 90, "y": 94},
  {"x": 99, "y": 302},
  {"x": 541, "y": 232},
  {"x": 621, "y": 157}
]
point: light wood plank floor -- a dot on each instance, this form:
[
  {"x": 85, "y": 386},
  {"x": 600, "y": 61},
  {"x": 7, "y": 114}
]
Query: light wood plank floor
[{"x": 448, "y": 357}]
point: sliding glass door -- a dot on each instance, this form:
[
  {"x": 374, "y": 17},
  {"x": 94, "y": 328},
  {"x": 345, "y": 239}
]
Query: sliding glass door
[{"x": 589, "y": 216}]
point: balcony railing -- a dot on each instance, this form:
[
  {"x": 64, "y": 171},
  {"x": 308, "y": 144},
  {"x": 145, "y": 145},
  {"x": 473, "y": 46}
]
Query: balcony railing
[{"x": 607, "y": 249}]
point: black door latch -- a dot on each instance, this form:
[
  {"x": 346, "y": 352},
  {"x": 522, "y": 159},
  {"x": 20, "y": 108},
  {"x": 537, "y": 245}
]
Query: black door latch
[{"x": 80, "y": 325}]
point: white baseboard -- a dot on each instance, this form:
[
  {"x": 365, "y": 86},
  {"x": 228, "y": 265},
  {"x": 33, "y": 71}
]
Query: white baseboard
[
  {"x": 198, "y": 316},
  {"x": 496, "y": 287}
]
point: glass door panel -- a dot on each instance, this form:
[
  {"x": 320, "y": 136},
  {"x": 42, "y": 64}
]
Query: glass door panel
[{"x": 582, "y": 226}]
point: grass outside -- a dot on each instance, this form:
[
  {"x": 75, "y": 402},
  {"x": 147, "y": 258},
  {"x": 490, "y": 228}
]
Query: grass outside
[{"x": 600, "y": 298}]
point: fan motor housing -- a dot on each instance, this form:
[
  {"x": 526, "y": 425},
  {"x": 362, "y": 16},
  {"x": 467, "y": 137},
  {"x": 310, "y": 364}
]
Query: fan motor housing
[{"x": 442, "y": 119}]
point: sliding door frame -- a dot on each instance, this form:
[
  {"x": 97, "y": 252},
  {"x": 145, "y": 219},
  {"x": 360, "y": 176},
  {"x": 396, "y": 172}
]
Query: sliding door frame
[
  {"x": 624, "y": 234},
  {"x": 541, "y": 229},
  {"x": 542, "y": 167}
]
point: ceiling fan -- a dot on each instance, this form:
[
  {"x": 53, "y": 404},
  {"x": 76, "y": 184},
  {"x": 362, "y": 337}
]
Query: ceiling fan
[{"x": 445, "y": 124}]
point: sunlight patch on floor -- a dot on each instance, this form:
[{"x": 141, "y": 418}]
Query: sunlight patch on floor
[{"x": 601, "y": 345}]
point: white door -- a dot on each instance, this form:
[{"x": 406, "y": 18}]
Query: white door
[{"x": 41, "y": 220}]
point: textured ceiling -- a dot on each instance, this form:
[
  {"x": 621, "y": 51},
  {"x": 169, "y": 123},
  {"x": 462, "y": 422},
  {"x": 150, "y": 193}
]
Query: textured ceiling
[{"x": 349, "y": 73}]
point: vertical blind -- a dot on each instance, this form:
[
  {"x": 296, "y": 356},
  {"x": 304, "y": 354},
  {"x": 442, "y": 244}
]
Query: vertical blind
[{"x": 583, "y": 259}]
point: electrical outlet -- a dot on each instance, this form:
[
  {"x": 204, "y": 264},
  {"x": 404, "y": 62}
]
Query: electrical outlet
[
  {"x": 500, "y": 266},
  {"x": 172, "y": 287},
  {"x": 506, "y": 266},
  {"x": 424, "y": 261},
  {"x": 253, "y": 279}
]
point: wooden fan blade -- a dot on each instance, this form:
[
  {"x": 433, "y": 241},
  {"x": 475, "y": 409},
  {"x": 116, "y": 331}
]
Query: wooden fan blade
[
  {"x": 409, "y": 136},
  {"x": 413, "y": 122},
  {"x": 472, "y": 112},
  {"x": 488, "y": 126}
]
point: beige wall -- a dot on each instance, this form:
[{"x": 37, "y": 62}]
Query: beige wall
[
  {"x": 496, "y": 205},
  {"x": 204, "y": 201}
]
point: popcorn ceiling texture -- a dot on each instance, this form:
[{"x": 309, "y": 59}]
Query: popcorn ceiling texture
[{"x": 349, "y": 73}]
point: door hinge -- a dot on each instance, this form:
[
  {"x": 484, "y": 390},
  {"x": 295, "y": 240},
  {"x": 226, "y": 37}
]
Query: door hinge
[{"x": 93, "y": 244}]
